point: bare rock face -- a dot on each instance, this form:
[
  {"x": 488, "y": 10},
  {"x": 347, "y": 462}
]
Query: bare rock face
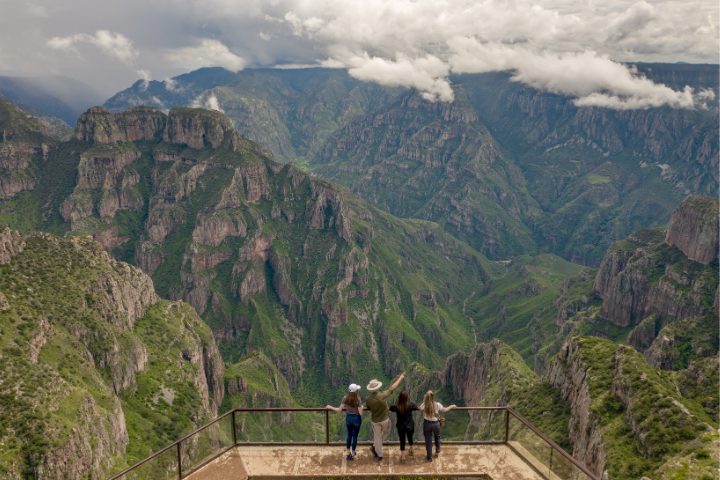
[
  {"x": 15, "y": 158},
  {"x": 694, "y": 228},
  {"x": 470, "y": 375},
  {"x": 328, "y": 212},
  {"x": 90, "y": 449},
  {"x": 213, "y": 228},
  {"x": 199, "y": 128},
  {"x": 196, "y": 128},
  {"x": 98, "y": 125},
  {"x": 126, "y": 293},
  {"x": 11, "y": 243},
  {"x": 568, "y": 373},
  {"x": 103, "y": 174}
]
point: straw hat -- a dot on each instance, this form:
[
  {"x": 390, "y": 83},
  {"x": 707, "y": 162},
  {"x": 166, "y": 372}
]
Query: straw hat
[{"x": 374, "y": 385}]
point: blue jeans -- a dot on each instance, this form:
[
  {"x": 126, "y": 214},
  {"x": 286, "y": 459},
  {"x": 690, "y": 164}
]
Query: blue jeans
[{"x": 353, "y": 422}]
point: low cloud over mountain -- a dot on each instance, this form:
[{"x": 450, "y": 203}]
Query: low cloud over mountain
[{"x": 574, "y": 49}]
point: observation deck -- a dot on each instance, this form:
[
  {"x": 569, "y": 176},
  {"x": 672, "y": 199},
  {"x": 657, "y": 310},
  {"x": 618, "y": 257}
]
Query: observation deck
[{"x": 488, "y": 443}]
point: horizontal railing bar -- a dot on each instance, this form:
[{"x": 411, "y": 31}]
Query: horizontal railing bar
[
  {"x": 550, "y": 442},
  {"x": 281, "y": 409},
  {"x": 482, "y": 409},
  {"x": 365, "y": 443}
]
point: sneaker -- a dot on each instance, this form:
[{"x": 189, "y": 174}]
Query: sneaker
[
  {"x": 437, "y": 453},
  {"x": 350, "y": 456},
  {"x": 372, "y": 449},
  {"x": 428, "y": 459},
  {"x": 410, "y": 451},
  {"x": 354, "y": 454},
  {"x": 379, "y": 459}
]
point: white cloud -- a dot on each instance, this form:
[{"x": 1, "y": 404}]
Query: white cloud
[
  {"x": 563, "y": 47},
  {"x": 413, "y": 43},
  {"x": 207, "y": 101},
  {"x": 427, "y": 74},
  {"x": 114, "y": 44},
  {"x": 591, "y": 79},
  {"x": 207, "y": 53}
]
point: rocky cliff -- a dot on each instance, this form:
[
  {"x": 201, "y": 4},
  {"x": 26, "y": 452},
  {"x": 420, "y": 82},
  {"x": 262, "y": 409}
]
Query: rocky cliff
[
  {"x": 693, "y": 229},
  {"x": 89, "y": 355},
  {"x": 647, "y": 283},
  {"x": 628, "y": 419}
]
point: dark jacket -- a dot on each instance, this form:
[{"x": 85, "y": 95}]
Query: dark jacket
[{"x": 405, "y": 420}]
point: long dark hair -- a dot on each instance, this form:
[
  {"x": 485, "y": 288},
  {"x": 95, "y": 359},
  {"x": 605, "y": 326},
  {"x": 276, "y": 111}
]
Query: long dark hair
[
  {"x": 403, "y": 404},
  {"x": 352, "y": 399}
]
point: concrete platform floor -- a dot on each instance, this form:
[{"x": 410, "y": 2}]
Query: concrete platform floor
[{"x": 497, "y": 462}]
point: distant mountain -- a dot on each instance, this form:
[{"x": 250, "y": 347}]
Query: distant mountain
[
  {"x": 506, "y": 168},
  {"x": 54, "y": 96}
]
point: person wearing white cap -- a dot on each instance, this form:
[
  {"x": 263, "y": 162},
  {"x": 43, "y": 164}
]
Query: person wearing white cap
[
  {"x": 378, "y": 407},
  {"x": 352, "y": 405}
]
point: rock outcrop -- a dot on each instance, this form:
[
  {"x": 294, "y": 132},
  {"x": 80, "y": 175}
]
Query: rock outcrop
[
  {"x": 89, "y": 344},
  {"x": 98, "y": 125},
  {"x": 569, "y": 373},
  {"x": 196, "y": 128},
  {"x": 649, "y": 281},
  {"x": 693, "y": 228},
  {"x": 627, "y": 419},
  {"x": 11, "y": 243}
]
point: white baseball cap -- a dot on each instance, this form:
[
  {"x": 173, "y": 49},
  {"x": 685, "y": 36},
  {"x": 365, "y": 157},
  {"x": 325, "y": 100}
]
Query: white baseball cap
[{"x": 354, "y": 387}]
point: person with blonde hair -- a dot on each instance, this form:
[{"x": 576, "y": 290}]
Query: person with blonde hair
[
  {"x": 380, "y": 413},
  {"x": 352, "y": 406},
  {"x": 431, "y": 422}
]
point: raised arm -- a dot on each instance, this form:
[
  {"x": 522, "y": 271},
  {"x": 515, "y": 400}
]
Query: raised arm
[{"x": 397, "y": 381}]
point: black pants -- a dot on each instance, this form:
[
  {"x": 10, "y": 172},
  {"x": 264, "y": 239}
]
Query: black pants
[
  {"x": 405, "y": 433},
  {"x": 430, "y": 430}
]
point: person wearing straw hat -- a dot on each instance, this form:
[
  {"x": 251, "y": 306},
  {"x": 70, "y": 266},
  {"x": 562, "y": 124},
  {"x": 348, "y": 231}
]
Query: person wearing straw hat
[
  {"x": 380, "y": 413},
  {"x": 352, "y": 405}
]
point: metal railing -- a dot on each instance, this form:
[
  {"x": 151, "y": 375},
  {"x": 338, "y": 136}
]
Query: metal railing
[{"x": 503, "y": 426}]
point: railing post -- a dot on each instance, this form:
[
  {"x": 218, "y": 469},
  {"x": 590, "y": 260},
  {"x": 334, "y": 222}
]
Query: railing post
[
  {"x": 179, "y": 460},
  {"x": 234, "y": 429},
  {"x": 327, "y": 427},
  {"x": 507, "y": 424}
]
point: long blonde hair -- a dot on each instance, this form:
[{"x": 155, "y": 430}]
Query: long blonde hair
[{"x": 429, "y": 404}]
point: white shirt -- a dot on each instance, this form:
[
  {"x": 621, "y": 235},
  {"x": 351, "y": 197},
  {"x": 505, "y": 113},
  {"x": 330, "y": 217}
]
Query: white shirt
[{"x": 438, "y": 409}]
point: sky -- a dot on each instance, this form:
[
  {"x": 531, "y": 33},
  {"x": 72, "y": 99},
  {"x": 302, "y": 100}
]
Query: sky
[{"x": 577, "y": 48}]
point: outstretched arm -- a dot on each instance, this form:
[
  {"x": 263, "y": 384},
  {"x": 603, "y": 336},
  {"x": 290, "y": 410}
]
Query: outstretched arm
[
  {"x": 451, "y": 407},
  {"x": 397, "y": 381},
  {"x": 334, "y": 409}
]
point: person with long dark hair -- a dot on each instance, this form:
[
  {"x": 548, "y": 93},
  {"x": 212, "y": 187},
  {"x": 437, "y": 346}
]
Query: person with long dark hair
[
  {"x": 431, "y": 422},
  {"x": 352, "y": 406},
  {"x": 405, "y": 424}
]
